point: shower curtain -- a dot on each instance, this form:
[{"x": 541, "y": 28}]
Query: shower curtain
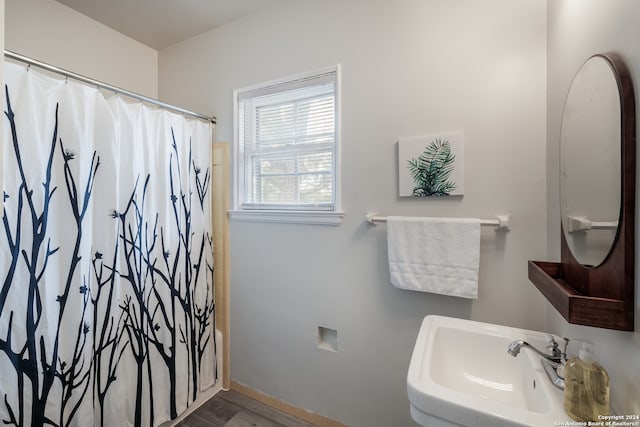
[{"x": 106, "y": 257}]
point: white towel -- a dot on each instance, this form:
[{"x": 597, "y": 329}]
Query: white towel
[{"x": 439, "y": 255}]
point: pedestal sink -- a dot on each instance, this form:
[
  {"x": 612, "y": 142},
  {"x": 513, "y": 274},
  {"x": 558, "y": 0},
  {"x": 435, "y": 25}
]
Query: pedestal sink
[{"x": 460, "y": 374}]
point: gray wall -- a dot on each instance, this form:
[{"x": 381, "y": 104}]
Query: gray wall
[
  {"x": 58, "y": 35},
  {"x": 409, "y": 68},
  {"x": 578, "y": 29}
]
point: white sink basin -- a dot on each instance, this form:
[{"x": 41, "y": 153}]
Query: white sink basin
[{"x": 461, "y": 375}]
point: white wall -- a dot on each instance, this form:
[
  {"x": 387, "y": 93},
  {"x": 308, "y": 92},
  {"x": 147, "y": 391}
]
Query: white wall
[
  {"x": 53, "y": 33},
  {"x": 409, "y": 67},
  {"x": 578, "y": 29}
]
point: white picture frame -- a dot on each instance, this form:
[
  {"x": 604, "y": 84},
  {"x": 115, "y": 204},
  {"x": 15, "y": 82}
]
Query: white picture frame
[{"x": 431, "y": 165}]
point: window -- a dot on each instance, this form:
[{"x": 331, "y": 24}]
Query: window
[{"x": 287, "y": 150}]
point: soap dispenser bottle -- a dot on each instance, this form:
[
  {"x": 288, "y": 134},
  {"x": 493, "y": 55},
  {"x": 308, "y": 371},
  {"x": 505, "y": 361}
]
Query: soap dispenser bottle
[{"x": 586, "y": 387}]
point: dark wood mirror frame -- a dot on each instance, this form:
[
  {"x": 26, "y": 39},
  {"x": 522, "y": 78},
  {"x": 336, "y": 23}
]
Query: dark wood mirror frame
[{"x": 601, "y": 296}]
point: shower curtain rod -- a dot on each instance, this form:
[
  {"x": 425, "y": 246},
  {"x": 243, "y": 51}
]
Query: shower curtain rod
[{"x": 106, "y": 86}]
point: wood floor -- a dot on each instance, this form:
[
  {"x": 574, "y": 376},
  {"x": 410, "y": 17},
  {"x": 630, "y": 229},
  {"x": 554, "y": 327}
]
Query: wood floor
[{"x": 232, "y": 409}]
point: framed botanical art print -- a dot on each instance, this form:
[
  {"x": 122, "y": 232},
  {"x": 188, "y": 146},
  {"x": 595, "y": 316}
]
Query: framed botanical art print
[{"x": 431, "y": 166}]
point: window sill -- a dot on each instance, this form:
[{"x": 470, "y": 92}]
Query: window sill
[{"x": 288, "y": 217}]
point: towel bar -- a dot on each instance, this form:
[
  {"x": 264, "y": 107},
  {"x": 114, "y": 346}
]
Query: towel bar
[
  {"x": 501, "y": 222},
  {"x": 582, "y": 223}
]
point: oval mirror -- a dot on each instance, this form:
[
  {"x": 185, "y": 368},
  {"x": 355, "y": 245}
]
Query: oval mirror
[
  {"x": 594, "y": 282},
  {"x": 590, "y": 162}
]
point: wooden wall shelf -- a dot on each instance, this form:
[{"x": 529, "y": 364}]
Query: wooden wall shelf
[{"x": 573, "y": 306}]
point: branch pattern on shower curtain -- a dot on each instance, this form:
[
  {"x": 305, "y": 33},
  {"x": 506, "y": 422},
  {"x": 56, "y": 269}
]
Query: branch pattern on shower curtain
[{"x": 106, "y": 300}]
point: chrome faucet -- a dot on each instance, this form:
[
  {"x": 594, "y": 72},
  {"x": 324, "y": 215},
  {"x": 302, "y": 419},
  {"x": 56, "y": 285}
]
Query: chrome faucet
[{"x": 553, "y": 363}]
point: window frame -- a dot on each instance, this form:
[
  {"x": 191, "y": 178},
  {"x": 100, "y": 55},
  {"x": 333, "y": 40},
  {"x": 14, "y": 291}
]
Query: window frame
[{"x": 313, "y": 215}]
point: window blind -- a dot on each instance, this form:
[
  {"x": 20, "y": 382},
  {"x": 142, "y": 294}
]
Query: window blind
[{"x": 287, "y": 142}]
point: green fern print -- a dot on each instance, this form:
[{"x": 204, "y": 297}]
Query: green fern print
[{"x": 430, "y": 171}]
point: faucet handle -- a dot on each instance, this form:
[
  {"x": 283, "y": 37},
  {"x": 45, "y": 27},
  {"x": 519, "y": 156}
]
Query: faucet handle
[
  {"x": 553, "y": 345},
  {"x": 564, "y": 349}
]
